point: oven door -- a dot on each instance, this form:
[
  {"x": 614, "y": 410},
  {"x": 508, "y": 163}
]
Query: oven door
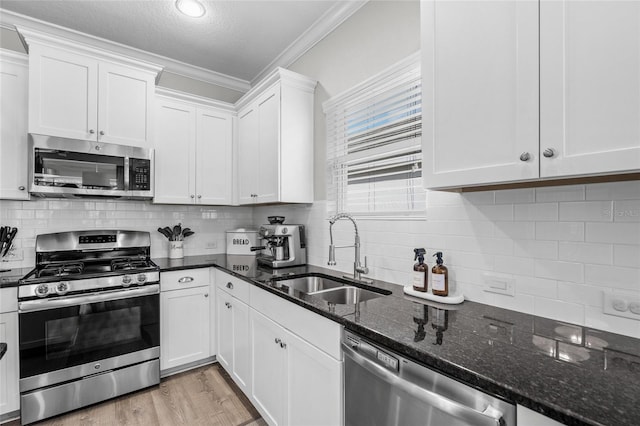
[{"x": 66, "y": 338}]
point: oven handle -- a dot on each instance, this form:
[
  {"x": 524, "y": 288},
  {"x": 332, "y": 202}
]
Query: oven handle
[
  {"x": 83, "y": 299},
  {"x": 489, "y": 417}
]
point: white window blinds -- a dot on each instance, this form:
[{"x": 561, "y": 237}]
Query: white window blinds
[{"x": 374, "y": 153}]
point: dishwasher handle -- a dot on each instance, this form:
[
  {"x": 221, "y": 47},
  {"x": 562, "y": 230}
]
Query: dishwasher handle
[{"x": 489, "y": 417}]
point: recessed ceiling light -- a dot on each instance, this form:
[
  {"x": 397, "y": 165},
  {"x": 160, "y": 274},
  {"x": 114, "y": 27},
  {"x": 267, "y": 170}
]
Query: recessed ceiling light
[{"x": 192, "y": 8}]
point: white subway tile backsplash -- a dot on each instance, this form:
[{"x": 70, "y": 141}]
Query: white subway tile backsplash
[
  {"x": 595, "y": 318},
  {"x": 617, "y": 277},
  {"x": 559, "y": 310},
  {"x": 614, "y": 191},
  {"x": 627, "y": 211},
  {"x": 515, "y": 196},
  {"x": 537, "y": 286},
  {"x": 587, "y": 211},
  {"x": 614, "y": 233},
  {"x": 560, "y": 193},
  {"x": 560, "y": 231},
  {"x": 559, "y": 270},
  {"x": 515, "y": 230},
  {"x": 626, "y": 255},
  {"x": 536, "y": 249},
  {"x": 514, "y": 265},
  {"x": 479, "y": 198},
  {"x": 537, "y": 212},
  {"x": 496, "y": 212},
  {"x": 584, "y": 294},
  {"x": 586, "y": 252}
]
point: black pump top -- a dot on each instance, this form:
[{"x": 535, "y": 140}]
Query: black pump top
[
  {"x": 439, "y": 260},
  {"x": 420, "y": 252}
]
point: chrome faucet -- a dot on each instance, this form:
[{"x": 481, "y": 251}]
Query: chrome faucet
[{"x": 358, "y": 268}]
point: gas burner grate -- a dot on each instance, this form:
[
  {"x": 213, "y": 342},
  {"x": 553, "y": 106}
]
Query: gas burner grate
[
  {"x": 61, "y": 269},
  {"x": 125, "y": 264}
]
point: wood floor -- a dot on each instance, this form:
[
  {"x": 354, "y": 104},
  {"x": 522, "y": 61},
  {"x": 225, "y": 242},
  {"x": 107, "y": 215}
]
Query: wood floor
[{"x": 203, "y": 396}]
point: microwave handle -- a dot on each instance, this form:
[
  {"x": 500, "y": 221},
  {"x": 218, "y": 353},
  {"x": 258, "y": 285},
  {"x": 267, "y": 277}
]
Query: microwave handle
[{"x": 126, "y": 173}]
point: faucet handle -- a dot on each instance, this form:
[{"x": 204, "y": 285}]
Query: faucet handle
[{"x": 365, "y": 269}]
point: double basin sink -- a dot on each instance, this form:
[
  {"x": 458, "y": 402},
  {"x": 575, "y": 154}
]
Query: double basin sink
[{"x": 328, "y": 289}]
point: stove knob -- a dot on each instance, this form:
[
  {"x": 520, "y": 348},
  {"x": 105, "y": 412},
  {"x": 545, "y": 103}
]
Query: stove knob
[
  {"x": 62, "y": 288},
  {"x": 42, "y": 290},
  {"x": 126, "y": 280},
  {"x": 141, "y": 278}
]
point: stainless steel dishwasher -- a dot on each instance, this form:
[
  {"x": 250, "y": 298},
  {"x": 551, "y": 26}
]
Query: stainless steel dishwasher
[{"x": 383, "y": 388}]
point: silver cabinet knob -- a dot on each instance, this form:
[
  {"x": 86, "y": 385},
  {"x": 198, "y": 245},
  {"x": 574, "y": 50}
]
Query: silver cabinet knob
[
  {"x": 278, "y": 341},
  {"x": 192, "y": 196},
  {"x": 228, "y": 305},
  {"x": 206, "y": 295},
  {"x": 21, "y": 188},
  {"x": 549, "y": 152},
  {"x": 525, "y": 156},
  {"x": 92, "y": 131},
  {"x": 199, "y": 196},
  {"x": 230, "y": 286},
  {"x": 98, "y": 147},
  {"x": 101, "y": 132}
]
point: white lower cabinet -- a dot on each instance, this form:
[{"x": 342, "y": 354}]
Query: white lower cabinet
[
  {"x": 293, "y": 382},
  {"x": 185, "y": 323},
  {"x": 9, "y": 395},
  {"x": 233, "y": 338}
]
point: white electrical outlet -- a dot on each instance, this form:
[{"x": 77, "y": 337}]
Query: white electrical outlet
[
  {"x": 211, "y": 245},
  {"x": 621, "y": 304},
  {"x": 498, "y": 284}
]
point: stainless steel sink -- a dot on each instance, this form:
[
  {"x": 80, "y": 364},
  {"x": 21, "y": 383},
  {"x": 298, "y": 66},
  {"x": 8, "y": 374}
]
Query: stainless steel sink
[
  {"x": 346, "y": 295},
  {"x": 308, "y": 284}
]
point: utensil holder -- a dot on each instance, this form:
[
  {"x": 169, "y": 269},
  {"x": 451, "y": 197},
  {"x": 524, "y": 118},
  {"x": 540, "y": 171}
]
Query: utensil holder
[{"x": 176, "y": 250}]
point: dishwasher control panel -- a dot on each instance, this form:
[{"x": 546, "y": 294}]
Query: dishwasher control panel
[{"x": 388, "y": 361}]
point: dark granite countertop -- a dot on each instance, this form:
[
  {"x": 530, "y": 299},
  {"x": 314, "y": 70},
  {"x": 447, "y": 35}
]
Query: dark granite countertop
[
  {"x": 570, "y": 373},
  {"x": 3, "y": 349},
  {"x": 9, "y": 278}
]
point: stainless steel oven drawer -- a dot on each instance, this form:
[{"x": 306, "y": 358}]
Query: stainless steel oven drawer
[{"x": 90, "y": 390}]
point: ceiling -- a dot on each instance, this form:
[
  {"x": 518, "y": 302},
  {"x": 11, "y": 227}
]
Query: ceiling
[{"x": 238, "y": 38}]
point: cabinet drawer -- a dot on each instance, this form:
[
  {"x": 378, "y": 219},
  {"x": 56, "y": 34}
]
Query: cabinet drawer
[
  {"x": 234, "y": 286},
  {"x": 8, "y": 299},
  {"x": 315, "y": 329},
  {"x": 186, "y": 278}
]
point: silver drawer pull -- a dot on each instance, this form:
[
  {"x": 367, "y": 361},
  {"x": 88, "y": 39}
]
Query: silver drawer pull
[
  {"x": 230, "y": 286},
  {"x": 185, "y": 280}
]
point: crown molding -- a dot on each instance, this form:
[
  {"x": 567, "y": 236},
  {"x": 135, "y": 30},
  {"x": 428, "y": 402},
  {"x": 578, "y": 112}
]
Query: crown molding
[
  {"x": 285, "y": 76},
  {"x": 328, "y": 22},
  {"x": 11, "y": 20},
  {"x": 14, "y": 57},
  {"x": 200, "y": 100}
]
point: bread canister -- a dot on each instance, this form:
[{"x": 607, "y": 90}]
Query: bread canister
[{"x": 240, "y": 241}]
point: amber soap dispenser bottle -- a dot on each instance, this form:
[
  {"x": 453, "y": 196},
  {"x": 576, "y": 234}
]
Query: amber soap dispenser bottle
[
  {"x": 420, "y": 271},
  {"x": 439, "y": 277}
]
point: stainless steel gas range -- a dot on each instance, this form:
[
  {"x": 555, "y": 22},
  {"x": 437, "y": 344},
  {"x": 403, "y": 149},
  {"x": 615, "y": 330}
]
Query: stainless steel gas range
[{"x": 89, "y": 316}]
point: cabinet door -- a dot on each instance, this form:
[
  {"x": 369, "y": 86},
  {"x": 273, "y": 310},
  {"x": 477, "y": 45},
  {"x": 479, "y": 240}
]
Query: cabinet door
[
  {"x": 241, "y": 372},
  {"x": 248, "y": 154},
  {"x": 213, "y": 157},
  {"x": 268, "y": 379},
  {"x": 314, "y": 385},
  {"x": 480, "y": 92},
  {"x": 589, "y": 87},
  {"x": 184, "y": 326},
  {"x": 269, "y": 146},
  {"x": 174, "y": 153},
  {"x": 224, "y": 326},
  {"x": 63, "y": 93},
  {"x": 125, "y": 105},
  {"x": 213, "y": 315},
  {"x": 9, "y": 394},
  {"x": 13, "y": 131}
]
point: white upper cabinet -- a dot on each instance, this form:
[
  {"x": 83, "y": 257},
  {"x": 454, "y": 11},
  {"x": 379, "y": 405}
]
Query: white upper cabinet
[
  {"x": 480, "y": 91},
  {"x": 13, "y": 126},
  {"x": 79, "y": 92},
  {"x": 589, "y": 87},
  {"x": 275, "y": 140},
  {"x": 527, "y": 90},
  {"x": 193, "y": 156}
]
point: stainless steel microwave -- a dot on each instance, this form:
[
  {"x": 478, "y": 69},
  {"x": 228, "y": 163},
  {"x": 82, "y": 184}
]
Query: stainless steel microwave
[{"x": 60, "y": 167}]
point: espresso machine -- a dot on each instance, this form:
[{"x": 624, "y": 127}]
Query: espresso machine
[{"x": 282, "y": 245}]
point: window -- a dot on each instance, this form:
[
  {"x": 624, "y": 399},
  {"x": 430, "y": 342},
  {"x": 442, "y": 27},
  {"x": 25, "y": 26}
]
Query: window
[{"x": 374, "y": 152}]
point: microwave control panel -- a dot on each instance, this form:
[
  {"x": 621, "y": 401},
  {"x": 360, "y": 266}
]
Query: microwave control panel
[{"x": 139, "y": 174}]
